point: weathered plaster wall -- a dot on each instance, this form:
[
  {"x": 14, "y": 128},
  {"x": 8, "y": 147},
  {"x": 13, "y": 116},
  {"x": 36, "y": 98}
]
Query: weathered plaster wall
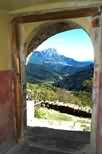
[
  {"x": 16, "y": 4},
  {"x": 7, "y": 126},
  {"x": 29, "y": 28},
  {"x": 31, "y": 6},
  {"x": 5, "y": 55},
  {"x": 85, "y": 23}
]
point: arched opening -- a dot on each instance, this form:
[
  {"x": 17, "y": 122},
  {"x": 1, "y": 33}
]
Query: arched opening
[
  {"x": 96, "y": 31},
  {"x": 46, "y": 30},
  {"x": 94, "y": 16},
  {"x": 66, "y": 74},
  {"x": 45, "y": 34}
]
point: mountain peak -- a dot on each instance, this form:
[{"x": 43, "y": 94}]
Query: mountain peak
[
  {"x": 51, "y": 56},
  {"x": 50, "y": 52}
]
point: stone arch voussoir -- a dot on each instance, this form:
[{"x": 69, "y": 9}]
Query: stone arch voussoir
[{"x": 46, "y": 30}]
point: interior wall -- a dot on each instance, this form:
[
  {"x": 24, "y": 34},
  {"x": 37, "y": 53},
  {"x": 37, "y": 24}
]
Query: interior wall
[
  {"x": 5, "y": 55},
  {"x": 7, "y": 113},
  {"x": 31, "y": 6}
]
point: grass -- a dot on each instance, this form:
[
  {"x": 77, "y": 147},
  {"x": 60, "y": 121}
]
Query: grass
[{"x": 50, "y": 114}]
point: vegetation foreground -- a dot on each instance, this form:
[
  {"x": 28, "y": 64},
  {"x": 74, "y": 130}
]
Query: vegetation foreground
[
  {"x": 51, "y": 116},
  {"x": 44, "y": 92},
  {"x": 47, "y": 92}
]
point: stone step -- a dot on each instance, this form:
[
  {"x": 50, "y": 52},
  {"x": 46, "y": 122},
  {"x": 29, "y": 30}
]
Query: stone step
[
  {"x": 5, "y": 147},
  {"x": 35, "y": 149}
]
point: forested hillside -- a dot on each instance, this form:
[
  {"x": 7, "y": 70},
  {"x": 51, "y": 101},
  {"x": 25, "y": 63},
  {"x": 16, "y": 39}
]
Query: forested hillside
[{"x": 54, "y": 77}]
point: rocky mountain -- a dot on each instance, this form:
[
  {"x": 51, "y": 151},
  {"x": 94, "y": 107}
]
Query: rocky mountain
[
  {"x": 51, "y": 56},
  {"x": 51, "y": 67}
]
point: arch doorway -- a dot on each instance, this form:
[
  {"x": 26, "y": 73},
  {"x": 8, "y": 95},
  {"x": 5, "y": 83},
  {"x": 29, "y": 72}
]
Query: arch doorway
[
  {"x": 39, "y": 85},
  {"x": 20, "y": 86}
]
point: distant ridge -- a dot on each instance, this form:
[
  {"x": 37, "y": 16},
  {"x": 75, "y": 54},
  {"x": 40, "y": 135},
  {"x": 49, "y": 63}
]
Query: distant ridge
[
  {"x": 51, "y": 55},
  {"x": 51, "y": 67}
]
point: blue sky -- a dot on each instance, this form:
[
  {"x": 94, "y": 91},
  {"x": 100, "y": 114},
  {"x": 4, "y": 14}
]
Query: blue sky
[{"x": 75, "y": 44}]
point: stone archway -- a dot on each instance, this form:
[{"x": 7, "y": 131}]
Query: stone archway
[
  {"x": 36, "y": 37},
  {"x": 46, "y": 30},
  {"x": 75, "y": 12}
]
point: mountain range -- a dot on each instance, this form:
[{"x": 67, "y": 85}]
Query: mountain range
[{"x": 48, "y": 66}]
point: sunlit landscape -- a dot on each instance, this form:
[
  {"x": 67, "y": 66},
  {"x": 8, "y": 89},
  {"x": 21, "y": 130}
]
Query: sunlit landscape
[{"x": 59, "y": 84}]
